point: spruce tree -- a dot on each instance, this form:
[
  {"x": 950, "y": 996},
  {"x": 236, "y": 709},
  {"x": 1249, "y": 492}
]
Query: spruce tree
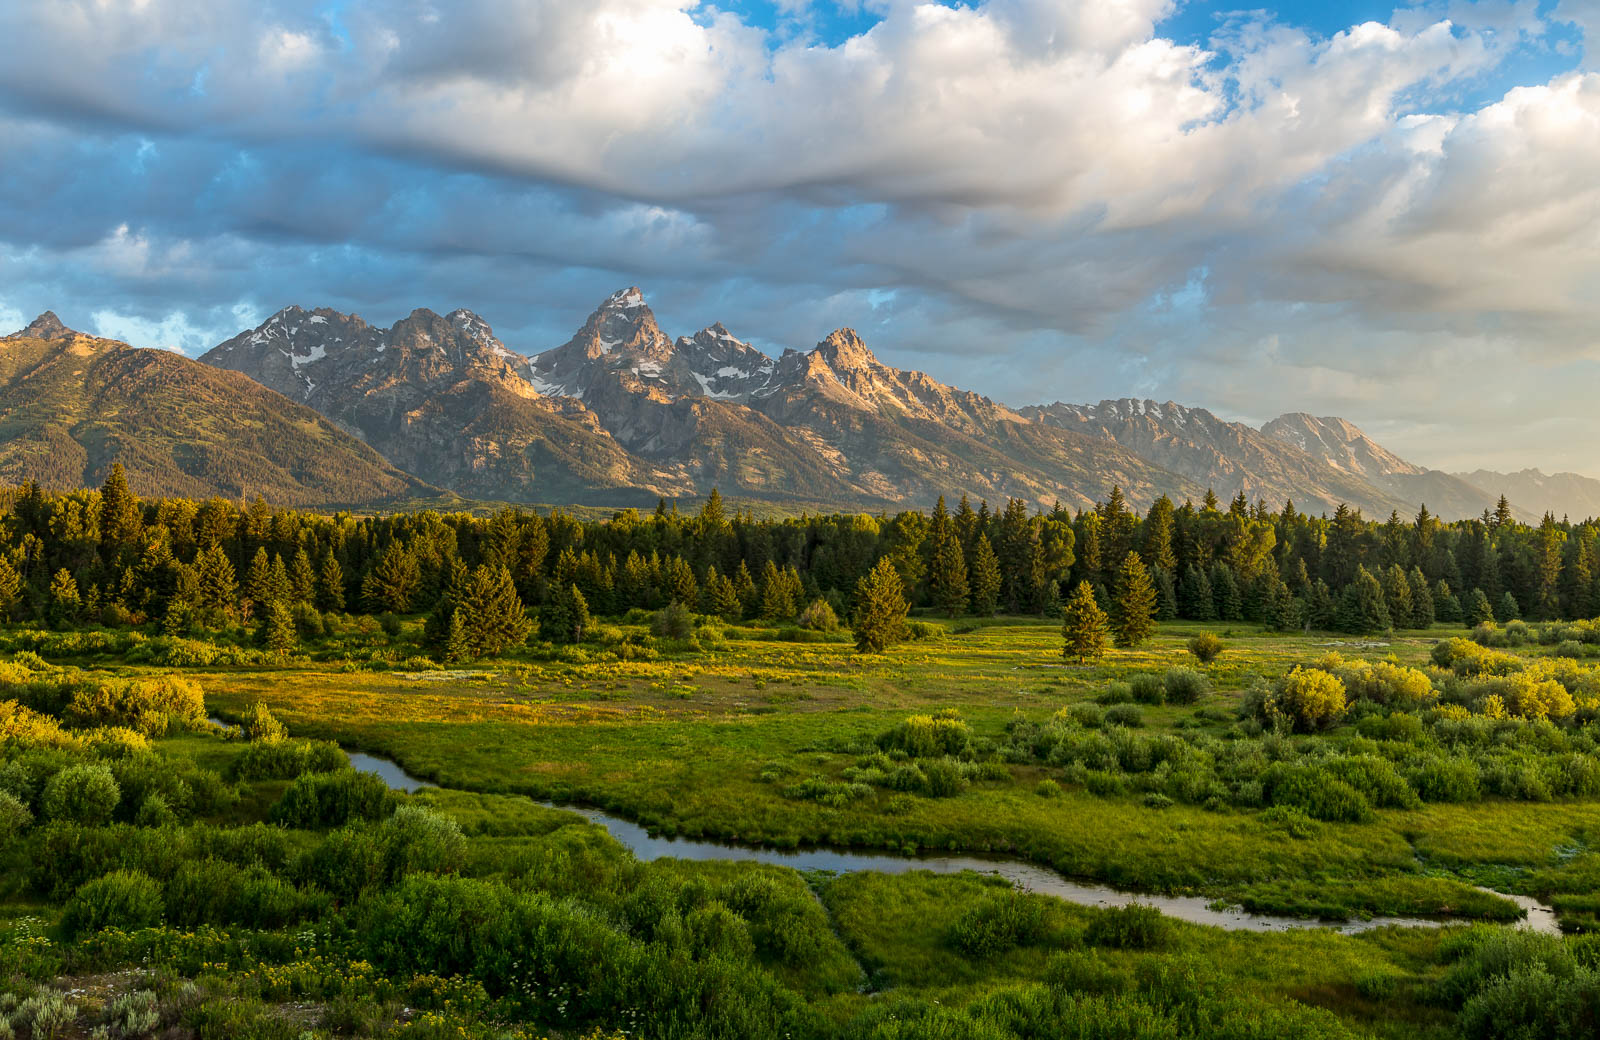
[
  {"x": 1134, "y": 620},
  {"x": 947, "y": 568},
  {"x": 778, "y": 600},
  {"x": 393, "y": 582},
  {"x": 565, "y": 616},
  {"x": 1422, "y": 609},
  {"x": 491, "y": 612},
  {"x": 258, "y": 581},
  {"x": 1225, "y": 592},
  {"x": 66, "y": 605},
  {"x": 1478, "y": 609},
  {"x": 457, "y": 647},
  {"x": 1195, "y": 600},
  {"x": 215, "y": 584},
  {"x": 1166, "y": 595},
  {"x": 10, "y": 588},
  {"x": 302, "y": 579},
  {"x": 330, "y": 585},
  {"x": 1320, "y": 606},
  {"x": 749, "y": 594},
  {"x": 880, "y": 615},
  {"x": 1084, "y": 625},
  {"x": 120, "y": 521},
  {"x": 985, "y": 579},
  {"x": 1446, "y": 607},
  {"x": 1508, "y": 610},
  {"x": 1362, "y": 609},
  {"x": 277, "y": 628},
  {"x": 1397, "y": 596}
]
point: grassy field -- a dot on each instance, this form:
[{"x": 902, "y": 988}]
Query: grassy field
[{"x": 527, "y": 921}]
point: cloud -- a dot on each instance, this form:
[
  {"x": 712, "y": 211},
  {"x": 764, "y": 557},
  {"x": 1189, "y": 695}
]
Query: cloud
[{"x": 1038, "y": 199}]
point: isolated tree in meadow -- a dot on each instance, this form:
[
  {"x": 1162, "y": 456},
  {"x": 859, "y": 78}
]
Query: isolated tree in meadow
[
  {"x": 947, "y": 568},
  {"x": 1134, "y": 620},
  {"x": 1478, "y": 609},
  {"x": 880, "y": 616},
  {"x": 1085, "y": 629},
  {"x": 985, "y": 578}
]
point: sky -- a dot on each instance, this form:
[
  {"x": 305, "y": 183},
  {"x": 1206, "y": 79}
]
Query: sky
[{"x": 1391, "y": 214}]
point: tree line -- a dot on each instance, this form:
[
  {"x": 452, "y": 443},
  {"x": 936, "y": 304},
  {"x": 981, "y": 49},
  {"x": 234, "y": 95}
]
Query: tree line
[{"x": 107, "y": 556}]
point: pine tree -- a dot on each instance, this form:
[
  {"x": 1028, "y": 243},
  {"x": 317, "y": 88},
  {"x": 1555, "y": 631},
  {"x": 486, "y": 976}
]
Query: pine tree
[
  {"x": 302, "y": 579},
  {"x": 1134, "y": 620},
  {"x": 65, "y": 603},
  {"x": 745, "y": 586},
  {"x": 10, "y": 588},
  {"x": 330, "y": 585},
  {"x": 215, "y": 584},
  {"x": 679, "y": 582},
  {"x": 565, "y": 616},
  {"x": 1166, "y": 595},
  {"x": 1225, "y": 592},
  {"x": 1397, "y": 596},
  {"x": 947, "y": 568},
  {"x": 457, "y": 648},
  {"x": 120, "y": 521},
  {"x": 1362, "y": 609},
  {"x": 985, "y": 578},
  {"x": 280, "y": 589},
  {"x": 777, "y": 594},
  {"x": 1478, "y": 609},
  {"x": 1446, "y": 607},
  {"x": 1508, "y": 609},
  {"x": 1422, "y": 610},
  {"x": 491, "y": 612},
  {"x": 277, "y": 628},
  {"x": 258, "y": 580},
  {"x": 1321, "y": 610},
  {"x": 1084, "y": 626},
  {"x": 393, "y": 582},
  {"x": 1547, "y": 560},
  {"x": 880, "y": 615},
  {"x": 1157, "y": 549}
]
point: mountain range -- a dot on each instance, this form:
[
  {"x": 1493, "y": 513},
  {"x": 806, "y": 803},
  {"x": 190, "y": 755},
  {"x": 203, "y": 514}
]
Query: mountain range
[{"x": 336, "y": 411}]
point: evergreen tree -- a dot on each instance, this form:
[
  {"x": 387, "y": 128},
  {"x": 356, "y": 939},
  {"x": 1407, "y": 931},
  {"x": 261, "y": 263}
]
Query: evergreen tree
[
  {"x": 985, "y": 578},
  {"x": 302, "y": 579},
  {"x": 1422, "y": 610},
  {"x": 1158, "y": 548},
  {"x": 1547, "y": 562},
  {"x": 1508, "y": 609},
  {"x": 880, "y": 615},
  {"x": 1397, "y": 596},
  {"x": 1195, "y": 600},
  {"x": 277, "y": 628},
  {"x": 1225, "y": 591},
  {"x": 120, "y": 521},
  {"x": 1321, "y": 609},
  {"x": 1134, "y": 620},
  {"x": 749, "y": 594},
  {"x": 10, "y": 588},
  {"x": 947, "y": 569},
  {"x": 66, "y": 605},
  {"x": 1084, "y": 626},
  {"x": 280, "y": 589},
  {"x": 457, "y": 647},
  {"x": 1478, "y": 609},
  {"x": 492, "y": 615},
  {"x": 679, "y": 583},
  {"x": 215, "y": 584},
  {"x": 1362, "y": 608},
  {"x": 564, "y": 618},
  {"x": 1166, "y": 595},
  {"x": 1446, "y": 607},
  {"x": 258, "y": 580},
  {"x": 330, "y": 585},
  {"x": 393, "y": 582}
]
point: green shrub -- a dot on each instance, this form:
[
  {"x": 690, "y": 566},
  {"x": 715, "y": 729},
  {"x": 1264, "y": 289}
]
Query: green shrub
[
  {"x": 930, "y": 736},
  {"x": 674, "y": 621},
  {"x": 943, "y": 778},
  {"x": 259, "y": 724},
  {"x": 1115, "y": 693},
  {"x": 1185, "y": 685},
  {"x": 998, "y": 924},
  {"x": 332, "y": 800},
  {"x": 14, "y": 817},
  {"x": 1048, "y": 788},
  {"x": 819, "y": 617},
  {"x": 287, "y": 759},
  {"x": 1127, "y": 715},
  {"x": 1136, "y": 926},
  {"x": 1147, "y": 688},
  {"x": 1206, "y": 647},
  {"x": 86, "y": 794},
  {"x": 420, "y": 839},
  {"x": 122, "y": 899}
]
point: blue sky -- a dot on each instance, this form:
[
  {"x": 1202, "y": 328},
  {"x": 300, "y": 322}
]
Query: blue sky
[{"x": 1387, "y": 213}]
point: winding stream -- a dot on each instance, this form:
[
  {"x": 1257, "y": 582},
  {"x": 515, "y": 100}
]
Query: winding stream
[{"x": 1024, "y": 876}]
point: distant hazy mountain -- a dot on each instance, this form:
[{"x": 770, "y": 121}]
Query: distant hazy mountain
[
  {"x": 444, "y": 397},
  {"x": 1344, "y": 447},
  {"x": 72, "y": 404},
  {"x": 1564, "y": 494}
]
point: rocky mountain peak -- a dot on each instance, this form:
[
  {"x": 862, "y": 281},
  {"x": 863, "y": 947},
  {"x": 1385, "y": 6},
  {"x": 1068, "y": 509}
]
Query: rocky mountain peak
[
  {"x": 46, "y": 326},
  {"x": 845, "y": 351}
]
